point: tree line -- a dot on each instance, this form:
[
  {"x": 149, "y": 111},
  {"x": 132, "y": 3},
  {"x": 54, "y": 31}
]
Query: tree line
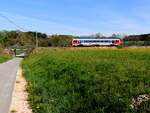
[
  {"x": 19, "y": 38},
  {"x": 143, "y": 37}
]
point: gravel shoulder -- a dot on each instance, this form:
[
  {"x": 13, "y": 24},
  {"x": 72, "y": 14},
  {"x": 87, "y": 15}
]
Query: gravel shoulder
[{"x": 19, "y": 102}]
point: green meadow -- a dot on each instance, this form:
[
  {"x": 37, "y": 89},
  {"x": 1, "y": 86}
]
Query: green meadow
[{"x": 87, "y": 80}]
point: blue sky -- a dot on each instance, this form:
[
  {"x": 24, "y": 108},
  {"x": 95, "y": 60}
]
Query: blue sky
[{"x": 77, "y": 17}]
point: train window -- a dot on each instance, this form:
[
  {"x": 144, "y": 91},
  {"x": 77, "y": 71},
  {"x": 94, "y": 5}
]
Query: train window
[
  {"x": 81, "y": 41},
  {"x": 86, "y": 41},
  {"x": 98, "y": 41}
]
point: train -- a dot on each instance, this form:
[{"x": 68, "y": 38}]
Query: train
[{"x": 96, "y": 42}]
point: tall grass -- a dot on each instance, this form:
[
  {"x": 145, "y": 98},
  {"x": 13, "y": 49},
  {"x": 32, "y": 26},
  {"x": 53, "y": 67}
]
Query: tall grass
[{"x": 87, "y": 80}]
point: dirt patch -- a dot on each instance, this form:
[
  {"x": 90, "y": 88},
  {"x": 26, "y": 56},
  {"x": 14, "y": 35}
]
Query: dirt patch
[{"x": 19, "y": 99}]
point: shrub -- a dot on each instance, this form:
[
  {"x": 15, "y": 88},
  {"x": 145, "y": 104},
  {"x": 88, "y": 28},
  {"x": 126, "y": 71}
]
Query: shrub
[{"x": 4, "y": 56}]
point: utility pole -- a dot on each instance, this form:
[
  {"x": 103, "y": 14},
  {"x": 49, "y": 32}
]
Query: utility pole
[{"x": 37, "y": 40}]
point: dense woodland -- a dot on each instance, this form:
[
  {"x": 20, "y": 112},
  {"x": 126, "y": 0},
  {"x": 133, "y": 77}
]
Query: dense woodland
[{"x": 19, "y": 38}]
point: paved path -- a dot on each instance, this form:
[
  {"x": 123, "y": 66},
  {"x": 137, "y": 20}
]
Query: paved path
[{"x": 8, "y": 72}]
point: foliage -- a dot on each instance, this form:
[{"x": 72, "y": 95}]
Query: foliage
[
  {"x": 19, "y": 38},
  {"x": 61, "y": 40},
  {"x": 4, "y": 56},
  {"x": 11, "y": 38},
  {"x": 135, "y": 43},
  {"x": 87, "y": 80},
  {"x": 143, "y": 37},
  {"x": 137, "y": 40}
]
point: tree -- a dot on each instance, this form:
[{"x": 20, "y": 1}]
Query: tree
[
  {"x": 120, "y": 36},
  {"x": 97, "y": 35},
  {"x": 61, "y": 40}
]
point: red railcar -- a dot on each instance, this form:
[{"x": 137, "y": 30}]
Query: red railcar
[{"x": 96, "y": 42}]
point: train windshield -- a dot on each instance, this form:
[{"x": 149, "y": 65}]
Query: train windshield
[{"x": 75, "y": 41}]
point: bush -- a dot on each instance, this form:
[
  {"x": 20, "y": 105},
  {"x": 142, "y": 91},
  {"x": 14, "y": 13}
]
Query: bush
[{"x": 4, "y": 56}]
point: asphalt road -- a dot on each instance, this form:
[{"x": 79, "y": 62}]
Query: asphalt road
[{"x": 8, "y": 72}]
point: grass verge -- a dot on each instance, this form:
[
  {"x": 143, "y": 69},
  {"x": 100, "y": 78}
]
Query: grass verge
[{"x": 3, "y": 56}]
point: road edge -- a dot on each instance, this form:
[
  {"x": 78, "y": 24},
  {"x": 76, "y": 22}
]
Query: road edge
[{"x": 19, "y": 103}]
